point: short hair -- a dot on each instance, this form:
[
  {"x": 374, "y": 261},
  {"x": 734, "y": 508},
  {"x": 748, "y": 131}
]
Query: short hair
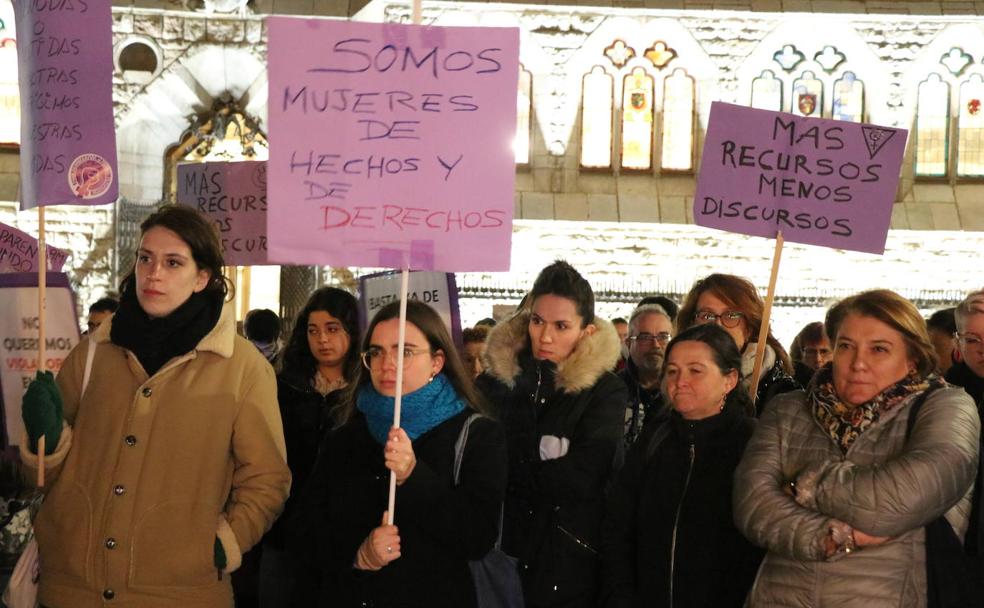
[
  {"x": 725, "y": 354},
  {"x": 262, "y": 325},
  {"x": 617, "y": 320},
  {"x": 646, "y": 309},
  {"x": 973, "y": 304},
  {"x": 943, "y": 320},
  {"x": 810, "y": 334},
  {"x": 486, "y": 322},
  {"x": 561, "y": 279},
  {"x": 106, "y": 304},
  {"x": 668, "y": 305},
  {"x": 740, "y": 294},
  {"x": 474, "y": 334},
  {"x": 895, "y": 311}
]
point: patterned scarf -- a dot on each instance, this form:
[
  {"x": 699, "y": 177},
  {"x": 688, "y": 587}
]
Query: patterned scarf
[
  {"x": 845, "y": 424},
  {"x": 420, "y": 411}
]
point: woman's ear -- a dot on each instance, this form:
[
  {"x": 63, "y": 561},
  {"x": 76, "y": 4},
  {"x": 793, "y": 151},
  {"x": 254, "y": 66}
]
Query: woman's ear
[
  {"x": 437, "y": 360},
  {"x": 730, "y": 381},
  {"x": 204, "y": 276},
  {"x": 589, "y": 329}
]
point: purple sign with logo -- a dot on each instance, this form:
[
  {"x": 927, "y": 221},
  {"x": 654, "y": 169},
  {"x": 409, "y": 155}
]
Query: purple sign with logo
[
  {"x": 233, "y": 195},
  {"x": 68, "y": 140},
  {"x": 821, "y": 182},
  {"x": 391, "y": 144}
]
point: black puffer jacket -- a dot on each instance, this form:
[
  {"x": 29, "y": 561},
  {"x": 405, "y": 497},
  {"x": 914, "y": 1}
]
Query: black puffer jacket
[
  {"x": 668, "y": 527},
  {"x": 564, "y": 427}
]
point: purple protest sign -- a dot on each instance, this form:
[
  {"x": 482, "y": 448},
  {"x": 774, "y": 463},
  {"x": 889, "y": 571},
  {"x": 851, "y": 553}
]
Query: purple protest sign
[
  {"x": 68, "y": 141},
  {"x": 19, "y": 252},
  {"x": 821, "y": 182},
  {"x": 390, "y": 145},
  {"x": 233, "y": 195}
]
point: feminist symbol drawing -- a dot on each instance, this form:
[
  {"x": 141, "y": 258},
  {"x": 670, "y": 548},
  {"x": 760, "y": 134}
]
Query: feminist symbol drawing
[{"x": 875, "y": 138}]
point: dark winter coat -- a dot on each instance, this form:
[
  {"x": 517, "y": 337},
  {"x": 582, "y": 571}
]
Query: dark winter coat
[
  {"x": 644, "y": 406},
  {"x": 305, "y": 415},
  {"x": 774, "y": 382},
  {"x": 668, "y": 527},
  {"x": 961, "y": 375},
  {"x": 441, "y": 527},
  {"x": 573, "y": 414}
]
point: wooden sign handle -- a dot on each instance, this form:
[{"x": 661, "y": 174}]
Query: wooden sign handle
[{"x": 766, "y": 314}]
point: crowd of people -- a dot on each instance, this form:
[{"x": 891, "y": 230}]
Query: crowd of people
[{"x": 620, "y": 463}]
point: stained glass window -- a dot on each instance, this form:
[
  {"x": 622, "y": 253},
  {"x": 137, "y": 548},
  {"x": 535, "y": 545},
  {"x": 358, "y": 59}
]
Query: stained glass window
[
  {"x": 676, "y": 151},
  {"x": 848, "y": 98},
  {"x": 524, "y": 101},
  {"x": 932, "y": 122},
  {"x": 807, "y": 95},
  {"x": 970, "y": 128},
  {"x": 637, "y": 120},
  {"x": 767, "y": 92},
  {"x": 596, "y": 119}
]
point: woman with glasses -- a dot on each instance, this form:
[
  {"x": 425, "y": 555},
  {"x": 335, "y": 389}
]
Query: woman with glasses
[
  {"x": 351, "y": 557},
  {"x": 321, "y": 359},
  {"x": 734, "y": 304},
  {"x": 846, "y": 484},
  {"x": 548, "y": 370},
  {"x": 669, "y": 536}
]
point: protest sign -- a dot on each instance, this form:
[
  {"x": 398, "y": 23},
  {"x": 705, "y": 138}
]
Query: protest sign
[
  {"x": 19, "y": 338},
  {"x": 820, "y": 182},
  {"x": 19, "y": 252},
  {"x": 436, "y": 289},
  {"x": 390, "y": 145},
  {"x": 68, "y": 139},
  {"x": 233, "y": 196}
]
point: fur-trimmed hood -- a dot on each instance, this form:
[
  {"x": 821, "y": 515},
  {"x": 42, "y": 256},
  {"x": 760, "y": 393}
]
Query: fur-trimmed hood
[{"x": 593, "y": 356}]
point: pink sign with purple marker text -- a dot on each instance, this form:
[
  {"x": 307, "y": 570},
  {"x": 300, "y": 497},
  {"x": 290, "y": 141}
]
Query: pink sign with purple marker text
[
  {"x": 391, "y": 145},
  {"x": 821, "y": 182}
]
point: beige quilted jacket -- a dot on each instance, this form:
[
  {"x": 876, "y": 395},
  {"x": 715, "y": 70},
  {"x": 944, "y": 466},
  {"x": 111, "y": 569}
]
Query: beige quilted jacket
[{"x": 884, "y": 486}]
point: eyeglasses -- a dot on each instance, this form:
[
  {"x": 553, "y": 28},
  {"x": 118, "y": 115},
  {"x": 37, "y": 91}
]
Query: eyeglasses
[
  {"x": 728, "y": 318},
  {"x": 817, "y": 352},
  {"x": 647, "y": 339},
  {"x": 374, "y": 357},
  {"x": 968, "y": 339}
]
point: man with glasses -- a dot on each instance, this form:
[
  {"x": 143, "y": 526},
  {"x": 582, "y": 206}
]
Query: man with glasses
[
  {"x": 650, "y": 330},
  {"x": 969, "y": 373}
]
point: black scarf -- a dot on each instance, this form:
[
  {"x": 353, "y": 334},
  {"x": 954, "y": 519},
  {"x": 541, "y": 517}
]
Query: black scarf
[{"x": 157, "y": 341}]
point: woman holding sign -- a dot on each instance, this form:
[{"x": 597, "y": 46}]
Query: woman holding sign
[
  {"x": 548, "y": 369},
  {"x": 734, "y": 304},
  {"x": 349, "y": 557},
  {"x": 167, "y": 453},
  {"x": 847, "y": 484}
]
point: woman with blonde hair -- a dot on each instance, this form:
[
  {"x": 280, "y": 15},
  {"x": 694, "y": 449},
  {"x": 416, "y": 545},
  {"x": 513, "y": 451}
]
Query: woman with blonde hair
[
  {"x": 733, "y": 303},
  {"x": 841, "y": 483}
]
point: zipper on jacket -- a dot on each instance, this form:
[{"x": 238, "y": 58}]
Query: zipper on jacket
[
  {"x": 576, "y": 540},
  {"x": 676, "y": 520}
]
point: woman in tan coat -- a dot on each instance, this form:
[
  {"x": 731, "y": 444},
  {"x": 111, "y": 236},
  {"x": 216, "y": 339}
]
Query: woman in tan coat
[{"x": 171, "y": 463}]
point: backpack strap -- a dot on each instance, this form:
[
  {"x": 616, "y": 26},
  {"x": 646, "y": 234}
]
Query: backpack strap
[{"x": 459, "y": 455}]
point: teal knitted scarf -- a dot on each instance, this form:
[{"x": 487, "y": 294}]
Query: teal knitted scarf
[{"x": 420, "y": 411}]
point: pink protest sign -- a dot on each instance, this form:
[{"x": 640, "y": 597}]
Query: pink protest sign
[
  {"x": 233, "y": 196},
  {"x": 822, "y": 182},
  {"x": 391, "y": 145},
  {"x": 19, "y": 252},
  {"x": 68, "y": 141}
]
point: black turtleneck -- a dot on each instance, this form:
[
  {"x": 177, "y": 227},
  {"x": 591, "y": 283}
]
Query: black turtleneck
[{"x": 961, "y": 375}]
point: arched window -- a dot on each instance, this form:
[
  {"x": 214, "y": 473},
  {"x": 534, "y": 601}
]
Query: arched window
[
  {"x": 932, "y": 127},
  {"x": 848, "y": 99},
  {"x": 970, "y": 128},
  {"x": 767, "y": 92},
  {"x": 637, "y": 120},
  {"x": 524, "y": 112},
  {"x": 676, "y": 152},
  {"x": 597, "y": 92},
  {"x": 807, "y": 95}
]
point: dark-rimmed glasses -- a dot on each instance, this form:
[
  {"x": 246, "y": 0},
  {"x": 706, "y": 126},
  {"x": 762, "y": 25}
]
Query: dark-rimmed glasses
[
  {"x": 728, "y": 318},
  {"x": 645, "y": 339}
]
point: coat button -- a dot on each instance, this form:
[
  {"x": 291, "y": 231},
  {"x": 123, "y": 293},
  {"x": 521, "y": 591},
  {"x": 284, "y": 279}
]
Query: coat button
[
  {"x": 119, "y": 490},
  {"x": 110, "y": 543},
  {"x": 130, "y": 440},
  {"x": 109, "y": 594},
  {"x": 147, "y": 392}
]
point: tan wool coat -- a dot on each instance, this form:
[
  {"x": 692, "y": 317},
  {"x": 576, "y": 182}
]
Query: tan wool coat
[{"x": 149, "y": 471}]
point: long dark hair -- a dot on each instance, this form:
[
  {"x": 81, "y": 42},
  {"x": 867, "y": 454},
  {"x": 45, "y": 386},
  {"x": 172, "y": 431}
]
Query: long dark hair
[
  {"x": 298, "y": 360},
  {"x": 201, "y": 237},
  {"x": 426, "y": 319},
  {"x": 726, "y": 357}
]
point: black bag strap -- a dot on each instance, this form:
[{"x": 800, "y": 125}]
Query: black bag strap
[{"x": 459, "y": 455}]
